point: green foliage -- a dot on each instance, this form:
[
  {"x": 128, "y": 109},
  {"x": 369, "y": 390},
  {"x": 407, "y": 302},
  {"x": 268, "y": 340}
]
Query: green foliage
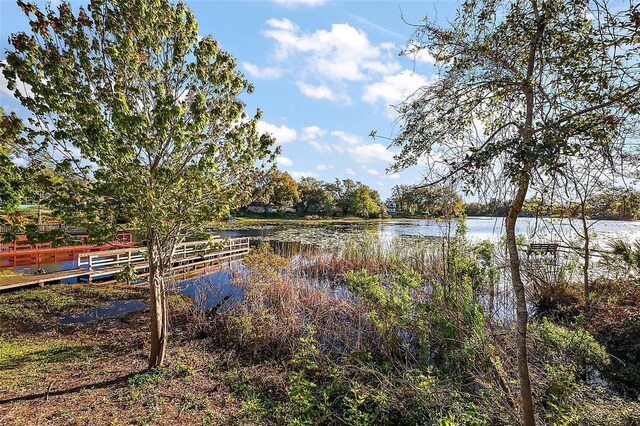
[
  {"x": 314, "y": 197},
  {"x": 302, "y": 391},
  {"x": 283, "y": 189},
  {"x": 628, "y": 253},
  {"x": 153, "y": 109},
  {"x": 127, "y": 275},
  {"x": 364, "y": 202},
  {"x": 579, "y": 344},
  {"x": 13, "y": 180},
  {"x": 392, "y": 303},
  {"x": 621, "y": 336},
  {"x": 440, "y": 322},
  {"x": 433, "y": 201},
  {"x": 148, "y": 378},
  {"x": 354, "y": 197},
  {"x": 185, "y": 366}
]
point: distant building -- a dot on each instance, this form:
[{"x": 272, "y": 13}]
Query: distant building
[
  {"x": 391, "y": 208},
  {"x": 255, "y": 207}
]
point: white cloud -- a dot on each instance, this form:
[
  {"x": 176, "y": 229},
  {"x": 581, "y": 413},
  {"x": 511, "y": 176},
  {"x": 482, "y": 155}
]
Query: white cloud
[
  {"x": 369, "y": 153},
  {"x": 310, "y": 133},
  {"x": 419, "y": 54},
  {"x": 393, "y": 176},
  {"x": 298, "y": 175},
  {"x": 24, "y": 89},
  {"x": 266, "y": 73},
  {"x": 282, "y": 133},
  {"x": 293, "y": 3},
  {"x": 373, "y": 172},
  {"x": 346, "y": 137},
  {"x": 322, "y": 92},
  {"x": 284, "y": 161},
  {"x": 394, "y": 88},
  {"x": 350, "y": 172},
  {"x": 282, "y": 24},
  {"x": 343, "y": 53},
  {"x": 324, "y": 167},
  {"x": 321, "y": 147}
]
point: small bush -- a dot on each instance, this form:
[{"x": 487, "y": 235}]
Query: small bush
[
  {"x": 578, "y": 344},
  {"x": 148, "y": 378}
]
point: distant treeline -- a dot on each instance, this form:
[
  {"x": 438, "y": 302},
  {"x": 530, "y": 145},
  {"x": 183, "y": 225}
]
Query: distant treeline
[
  {"x": 280, "y": 193},
  {"x": 613, "y": 204}
]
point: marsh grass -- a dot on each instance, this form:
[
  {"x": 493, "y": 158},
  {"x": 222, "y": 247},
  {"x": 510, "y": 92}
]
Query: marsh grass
[{"x": 397, "y": 331}]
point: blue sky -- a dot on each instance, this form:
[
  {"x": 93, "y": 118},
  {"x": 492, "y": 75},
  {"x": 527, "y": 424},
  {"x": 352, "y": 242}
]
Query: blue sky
[{"x": 325, "y": 73}]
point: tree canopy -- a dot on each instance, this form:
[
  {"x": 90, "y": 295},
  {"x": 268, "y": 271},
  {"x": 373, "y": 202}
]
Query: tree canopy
[
  {"x": 12, "y": 177},
  {"x": 137, "y": 110}
]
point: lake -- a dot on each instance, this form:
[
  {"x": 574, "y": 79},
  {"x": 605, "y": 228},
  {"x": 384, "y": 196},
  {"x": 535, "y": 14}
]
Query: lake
[{"x": 323, "y": 234}]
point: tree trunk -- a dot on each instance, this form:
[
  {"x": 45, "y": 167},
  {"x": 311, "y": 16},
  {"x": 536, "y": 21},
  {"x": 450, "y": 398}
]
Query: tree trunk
[
  {"x": 157, "y": 301},
  {"x": 587, "y": 252},
  {"x": 492, "y": 296},
  {"x": 522, "y": 314}
]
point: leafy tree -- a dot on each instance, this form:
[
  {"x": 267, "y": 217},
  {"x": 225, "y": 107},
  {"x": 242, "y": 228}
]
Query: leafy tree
[
  {"x": 284, "y": 190},
  {"x": 12, "y": 182},
  {"x": 342, "y": 191},
  {"x": 629, "y": 253},
  {"x": 364, "y": 202},
  {"x": 142, "y": 112},
  {"x": 523, "y": 85},
  {"x": 314, "y": 198},
  {"x": 434, "y": 201}
]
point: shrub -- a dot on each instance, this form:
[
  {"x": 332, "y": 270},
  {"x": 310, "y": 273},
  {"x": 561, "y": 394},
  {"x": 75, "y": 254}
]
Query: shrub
[{"x": 578, "y": 344}]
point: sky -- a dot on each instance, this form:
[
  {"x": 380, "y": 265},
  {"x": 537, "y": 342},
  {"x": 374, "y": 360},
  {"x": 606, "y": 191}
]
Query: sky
[{"x": 325, "y": 74}]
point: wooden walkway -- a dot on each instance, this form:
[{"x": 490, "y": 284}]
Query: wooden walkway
[{"x": 190, "y": 259}]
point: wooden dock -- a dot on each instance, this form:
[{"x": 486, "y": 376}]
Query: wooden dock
[{"x": 190, "y": 259}]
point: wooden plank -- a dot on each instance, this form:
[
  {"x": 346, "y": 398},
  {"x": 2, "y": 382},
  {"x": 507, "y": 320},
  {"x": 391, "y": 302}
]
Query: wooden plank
[{"x": 27, "y": 280}]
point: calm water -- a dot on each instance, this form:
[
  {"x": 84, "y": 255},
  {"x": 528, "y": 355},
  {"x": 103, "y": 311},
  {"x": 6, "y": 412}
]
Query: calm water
[
  {"x": 113, "y": 309},
  {"x": 479, "y": 228}
]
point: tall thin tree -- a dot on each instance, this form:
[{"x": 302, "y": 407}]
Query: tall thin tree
[{"x": 522, "y": 85}]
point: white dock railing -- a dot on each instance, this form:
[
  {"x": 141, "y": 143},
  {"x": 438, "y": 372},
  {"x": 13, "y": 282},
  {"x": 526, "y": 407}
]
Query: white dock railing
[{"x": 190, "y": 250}]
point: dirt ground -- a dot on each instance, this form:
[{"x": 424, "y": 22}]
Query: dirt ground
[{"x": 95, "y": 374}]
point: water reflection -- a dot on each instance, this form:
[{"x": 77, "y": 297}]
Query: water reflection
[
  {"x": 208, "y": 291},
  {"x": 112, "y": 310}
]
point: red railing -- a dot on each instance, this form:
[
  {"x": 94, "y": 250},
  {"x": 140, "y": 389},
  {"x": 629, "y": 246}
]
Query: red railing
[{"x": 19, "y": 253}]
